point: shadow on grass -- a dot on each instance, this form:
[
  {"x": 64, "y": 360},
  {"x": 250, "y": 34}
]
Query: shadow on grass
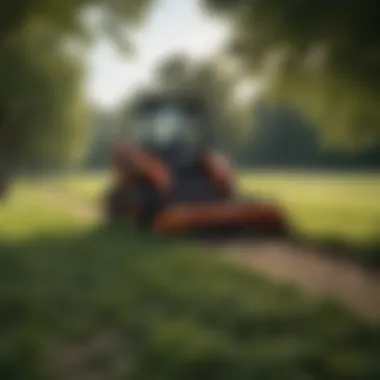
[
  {"x": 367, "y": 257},
  {"x": 120, "y": 304}
]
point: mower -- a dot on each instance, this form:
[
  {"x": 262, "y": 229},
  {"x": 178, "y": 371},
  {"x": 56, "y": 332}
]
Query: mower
[{"x": 169, "y": 179}]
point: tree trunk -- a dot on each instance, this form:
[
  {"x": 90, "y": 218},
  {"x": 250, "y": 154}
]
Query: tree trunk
[
  {"x": 4, "y": 161},
  {"x": 4, "y": 186},
  {"x": 4, "y": 173}
]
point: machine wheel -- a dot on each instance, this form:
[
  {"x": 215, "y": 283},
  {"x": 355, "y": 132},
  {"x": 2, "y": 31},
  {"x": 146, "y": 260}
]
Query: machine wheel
[
  {"x": 116, "y": 204},
  {"x": 120, "y": 203},
  {"x": 280, "y": 231}
]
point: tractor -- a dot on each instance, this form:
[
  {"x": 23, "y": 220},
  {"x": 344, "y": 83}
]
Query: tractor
[{"x": 169, "y": 179}]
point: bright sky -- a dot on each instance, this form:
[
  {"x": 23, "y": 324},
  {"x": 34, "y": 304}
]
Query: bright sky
[{"x": 173, "y": 26}]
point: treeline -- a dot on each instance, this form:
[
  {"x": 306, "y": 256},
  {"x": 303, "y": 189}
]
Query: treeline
[
  {"x": 327, "y": 65},
  {"x": 282, "y": 137},
  {"x": 272, "y": 137},
  {"x": 44, "y": 113}
]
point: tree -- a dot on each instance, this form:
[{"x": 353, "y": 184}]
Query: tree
[
  {"x": 174, "y": 73},
  {"x": 104, "y": 131},
  {"x": 279, "y": 136},
  {"x": 323, "y": 55},
  {"x": 41, "y": 100},
  {"x": 42, "y": 106},
  {"x": 208, "y": 81},
  {"x": 70, "y": 16}
]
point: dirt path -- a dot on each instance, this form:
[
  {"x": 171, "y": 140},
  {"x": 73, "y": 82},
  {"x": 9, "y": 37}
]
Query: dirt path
[
  {"x": 289, "y": 263},
  {"x": 282, "y": 261}
]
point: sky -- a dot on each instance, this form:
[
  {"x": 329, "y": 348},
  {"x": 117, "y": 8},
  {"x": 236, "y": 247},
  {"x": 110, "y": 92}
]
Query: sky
[{"x": 173, "y": 26}]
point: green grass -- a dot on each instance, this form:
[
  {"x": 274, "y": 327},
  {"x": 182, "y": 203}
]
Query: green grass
[
  {"x": 26, "y": 214},
  {"x": 322, "y": 206},
  {"x": 87, "y": 187},
  {"x": 325, "y": 206},
  {"x": 77, "y": 301}
]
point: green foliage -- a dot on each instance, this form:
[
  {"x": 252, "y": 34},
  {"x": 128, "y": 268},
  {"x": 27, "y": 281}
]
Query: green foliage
[
  {"x": 279, "y": 136},
  {"x": 70, "y": 17},
  {"x": 205, "y": 80},
  {"x": 41, "y": 99},
  {"x": 118, "y": 304},
  {"x": 42, "y": 107},
  {"x": 174, "y": 73},
  {"x": 105, "y": 130},
  {"x": 323, "y": 55}
]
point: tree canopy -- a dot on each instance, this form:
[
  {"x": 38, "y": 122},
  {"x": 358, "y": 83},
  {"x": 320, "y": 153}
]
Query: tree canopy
[
  {"x": 208, "y": 82},
  {"x": 69, "y": 16},
  {"x": 43, "y": 110},
  {"x": 40, "y": 97},
  {"x": 322, "y": 54}
]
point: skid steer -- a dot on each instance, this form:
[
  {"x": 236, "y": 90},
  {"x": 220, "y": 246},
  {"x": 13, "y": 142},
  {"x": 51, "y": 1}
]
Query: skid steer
[{"x": 167, "y": 177}]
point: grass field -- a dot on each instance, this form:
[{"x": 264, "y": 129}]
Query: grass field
[
  {"x": 322, "y": 206},
  {"x": 26, "y": 215},
  {"x": 78, "y": 302},
  {"x": 326, "y": 206}
]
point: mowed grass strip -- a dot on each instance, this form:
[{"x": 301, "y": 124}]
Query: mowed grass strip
[{"x": 115, "y": 303}]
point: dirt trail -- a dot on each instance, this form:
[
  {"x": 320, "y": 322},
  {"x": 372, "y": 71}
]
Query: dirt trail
[
  {"x": 288, "y": 263},
  {"x": 354, "y": 286}
]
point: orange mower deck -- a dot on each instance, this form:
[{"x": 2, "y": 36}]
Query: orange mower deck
[{"x": 187, "y": 217}]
